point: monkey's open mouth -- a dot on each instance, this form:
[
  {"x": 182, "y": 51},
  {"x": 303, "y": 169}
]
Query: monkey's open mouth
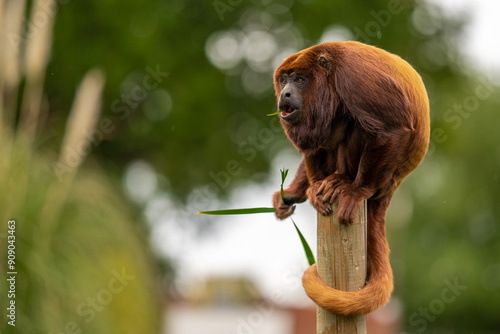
[
  {"x": 287, "y": 110},
  {"x": 289, "y": 113}
]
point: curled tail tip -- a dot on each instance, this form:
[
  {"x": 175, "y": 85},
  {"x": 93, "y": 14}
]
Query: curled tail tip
[{"x": 375, "y": 294}]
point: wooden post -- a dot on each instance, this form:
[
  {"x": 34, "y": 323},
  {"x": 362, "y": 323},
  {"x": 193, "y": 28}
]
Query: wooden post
[{"x": 342, "y": 265}]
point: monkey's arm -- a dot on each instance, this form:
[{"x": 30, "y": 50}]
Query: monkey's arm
[
  {"x": 319, "y": 165},
  {"x": 295, "y": 193}
]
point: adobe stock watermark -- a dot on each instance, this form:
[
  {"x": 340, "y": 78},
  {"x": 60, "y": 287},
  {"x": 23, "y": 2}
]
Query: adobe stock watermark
[
  {"x": 223, "y": 6},
  {"x": 381, "y": 19},
  {"x": 121, "y": 108},
  {"x": 421, "y": 319},
  {"x": 89, "y": 308},
  {"x": 455, "y": 116},
  {"x": 39, "y": 18}
]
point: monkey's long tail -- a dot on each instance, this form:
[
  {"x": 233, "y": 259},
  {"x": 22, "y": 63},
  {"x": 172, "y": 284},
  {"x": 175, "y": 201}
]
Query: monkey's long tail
[{"x": 379, "y": 286}]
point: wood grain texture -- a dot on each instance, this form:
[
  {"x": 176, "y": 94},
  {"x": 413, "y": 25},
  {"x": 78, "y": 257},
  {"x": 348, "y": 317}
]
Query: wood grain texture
[{"x": 342, "y": 265}]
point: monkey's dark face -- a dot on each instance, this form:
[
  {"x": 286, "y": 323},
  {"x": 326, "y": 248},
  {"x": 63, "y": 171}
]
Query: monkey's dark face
[
  {"x": 304, "y": 89},
  {"x": 291, "y": 101}
]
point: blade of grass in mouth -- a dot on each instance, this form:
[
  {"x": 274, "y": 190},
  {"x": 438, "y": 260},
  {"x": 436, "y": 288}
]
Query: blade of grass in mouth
[{"x": 274, "y": 113}]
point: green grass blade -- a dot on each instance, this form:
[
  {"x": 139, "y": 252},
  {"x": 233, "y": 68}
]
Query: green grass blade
[
  {"x": 247, "y": 211},
  {"x": 307, "y": 249},
  {"x": 284, "y": 173},
  {"x": 274, "y": 113}
]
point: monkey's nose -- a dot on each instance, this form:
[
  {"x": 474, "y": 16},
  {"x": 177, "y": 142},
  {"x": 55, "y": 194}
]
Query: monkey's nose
[{"x": 285, "y": 95}]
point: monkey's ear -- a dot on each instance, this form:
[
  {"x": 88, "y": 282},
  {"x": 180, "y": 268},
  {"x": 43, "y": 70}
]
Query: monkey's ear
[{"x": 326, "y": 63}]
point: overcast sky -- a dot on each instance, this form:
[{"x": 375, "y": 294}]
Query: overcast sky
[{"x": 481, "y": 40}]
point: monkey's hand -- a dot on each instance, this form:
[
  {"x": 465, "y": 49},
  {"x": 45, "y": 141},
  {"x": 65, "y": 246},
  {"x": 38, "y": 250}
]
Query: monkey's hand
[
  {"x": 339, "y": 187},
  {"x": 284, "y": 210},
  {"x": 332, "y": 186},
  {"x": 323, "y": 207}
]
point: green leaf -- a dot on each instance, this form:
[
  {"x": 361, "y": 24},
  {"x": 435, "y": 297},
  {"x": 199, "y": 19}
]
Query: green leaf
[
  {"x": 274, "y": 113},
  {"x": 284, "y": 173},
  {"x": 247, "y": 211},
  {"x": 307, "y": 249}
]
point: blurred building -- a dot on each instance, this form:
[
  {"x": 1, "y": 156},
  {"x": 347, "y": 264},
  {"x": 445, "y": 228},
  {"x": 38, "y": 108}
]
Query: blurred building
[
  {"x": 228, "y": 305},
  {"x": 233, "y": 305}
]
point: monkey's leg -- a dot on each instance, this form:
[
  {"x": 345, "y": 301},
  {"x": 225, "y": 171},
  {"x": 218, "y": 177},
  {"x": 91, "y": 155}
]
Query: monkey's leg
[{"x": 376, "y": 173}]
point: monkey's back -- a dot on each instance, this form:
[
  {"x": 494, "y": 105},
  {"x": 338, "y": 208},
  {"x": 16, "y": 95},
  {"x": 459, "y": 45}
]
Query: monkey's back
[{"x": 415, "y": 117}]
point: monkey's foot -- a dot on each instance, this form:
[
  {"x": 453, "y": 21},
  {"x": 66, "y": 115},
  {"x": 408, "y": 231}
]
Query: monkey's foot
[{"x": 348, "y": 202}]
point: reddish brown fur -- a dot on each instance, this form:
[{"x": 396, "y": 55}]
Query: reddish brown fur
[{"x": 364, "y": 127}]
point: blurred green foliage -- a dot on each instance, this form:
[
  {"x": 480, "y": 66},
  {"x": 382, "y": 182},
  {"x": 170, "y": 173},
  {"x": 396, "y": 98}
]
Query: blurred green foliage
[
  {"x": 82, "y": 262},
  {"x": 75, "y": 258},
  {"x": 443, "y": 223}
]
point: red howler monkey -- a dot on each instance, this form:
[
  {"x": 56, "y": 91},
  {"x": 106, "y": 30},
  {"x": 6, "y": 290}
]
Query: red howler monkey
[{"x": 360, "y": 117}]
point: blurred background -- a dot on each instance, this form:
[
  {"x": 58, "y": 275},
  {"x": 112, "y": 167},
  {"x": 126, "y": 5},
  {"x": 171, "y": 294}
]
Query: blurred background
[{"x": 121, "y": 119}]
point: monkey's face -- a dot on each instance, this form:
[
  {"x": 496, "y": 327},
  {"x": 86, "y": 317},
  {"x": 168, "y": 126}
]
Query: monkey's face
[
  {"x": 303, "y": 85},
  {"x": 291, "y": 101}
]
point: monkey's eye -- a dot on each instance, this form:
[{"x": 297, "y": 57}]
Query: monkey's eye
[
  {"x": 300, "y": 81},
  {"x": 283, "y": 81}
]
